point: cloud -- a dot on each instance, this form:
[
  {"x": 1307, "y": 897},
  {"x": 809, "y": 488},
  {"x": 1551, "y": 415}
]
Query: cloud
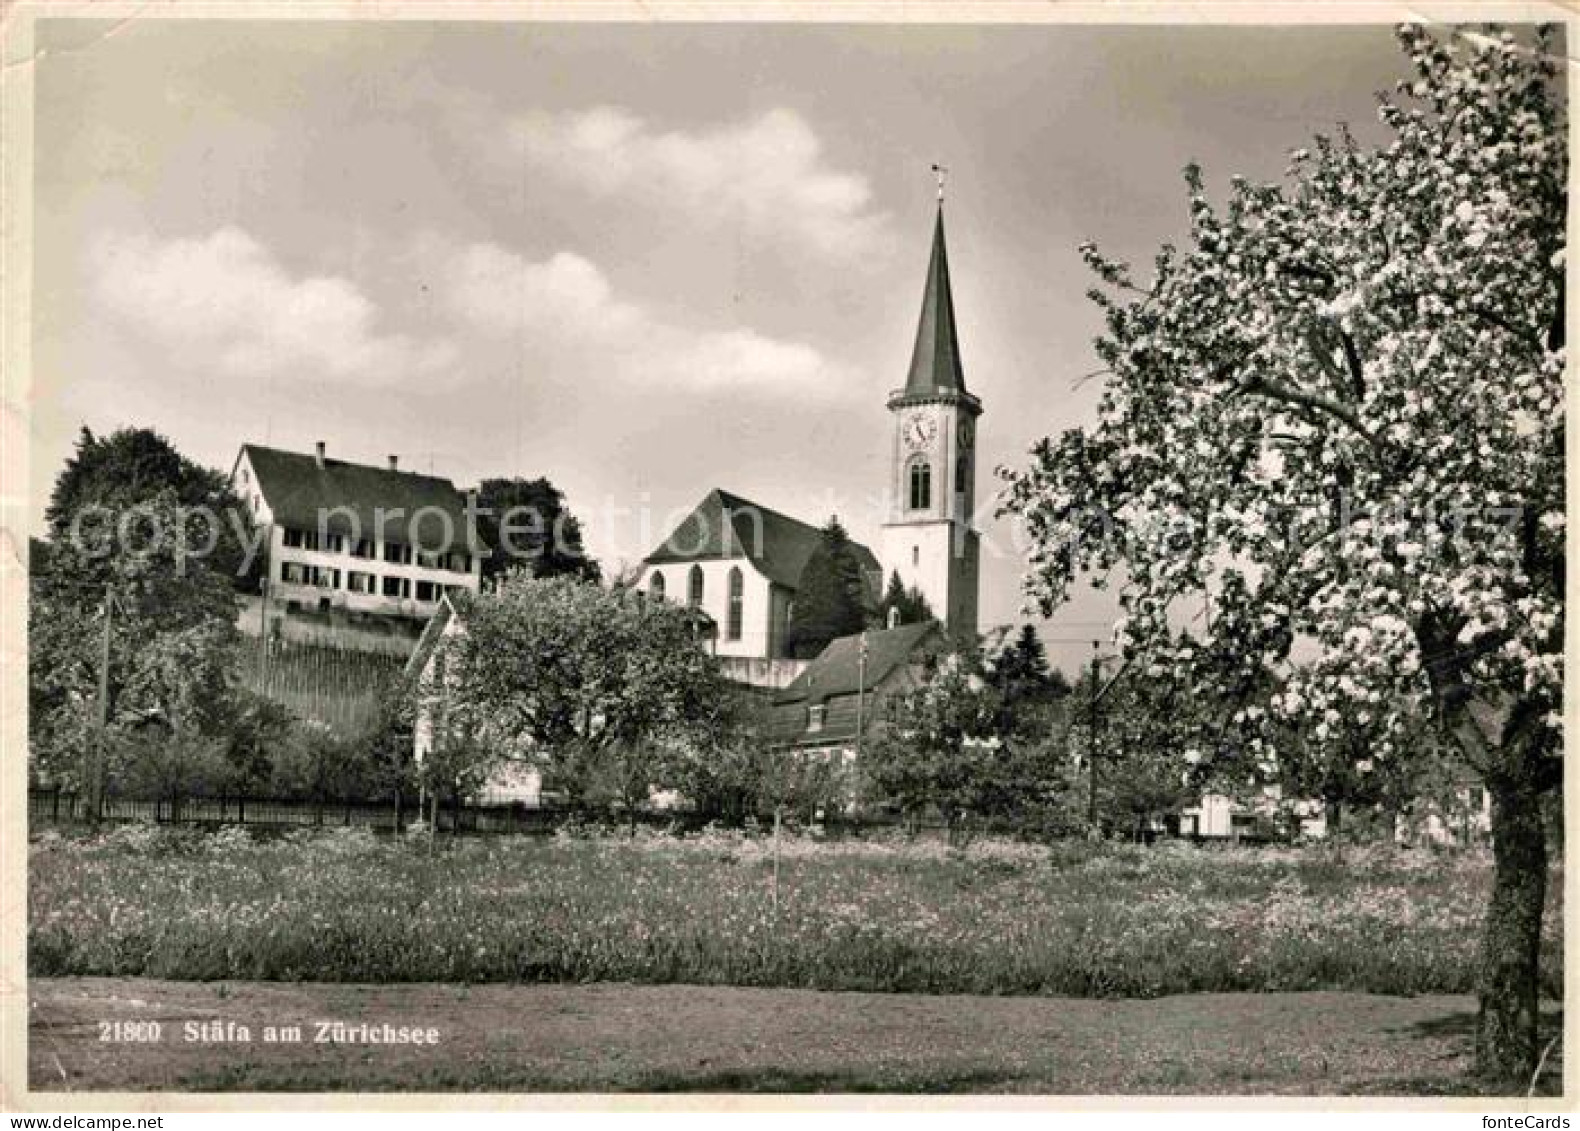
[
  {"x": 499, "y": 291},
  {"x": 564, "y": 308},
  {"x": 769, "y": 174},
  {"x": 226, "y": 301}
]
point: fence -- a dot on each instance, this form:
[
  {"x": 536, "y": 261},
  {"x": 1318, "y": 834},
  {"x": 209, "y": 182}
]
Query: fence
[
  {"x": 60, "y": 807},
  {"x": 50, "y": 806}
]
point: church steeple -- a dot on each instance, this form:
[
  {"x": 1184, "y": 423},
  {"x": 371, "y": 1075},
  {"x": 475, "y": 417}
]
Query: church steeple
[
  {"x": 935, "y": 361},
  {"x": 930, "y": 540}
]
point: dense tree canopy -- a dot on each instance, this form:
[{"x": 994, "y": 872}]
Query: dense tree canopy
[
  {"x": 905, "y": 605},
  {"x": 106, "y": 478},
  {"x": 525, "y": 522},
  {"x": 832, "y": 599},
  {"x": 590, "y": 684},
  {"x": 943, "y": 749},
  {"x": 151, "y": 544},
  {"x": 1339, "y": 411}
]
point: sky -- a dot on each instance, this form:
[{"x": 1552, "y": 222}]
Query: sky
[{"x": 642, "y": 261}]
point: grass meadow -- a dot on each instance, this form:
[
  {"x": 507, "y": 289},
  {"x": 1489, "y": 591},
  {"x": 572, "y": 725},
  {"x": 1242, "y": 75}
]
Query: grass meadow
[{"x": 896, "y": 916}]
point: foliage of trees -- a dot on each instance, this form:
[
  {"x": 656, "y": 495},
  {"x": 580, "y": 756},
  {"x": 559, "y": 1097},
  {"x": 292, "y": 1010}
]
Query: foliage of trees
[
  {"x": 144, "y": 554},
  {"x": 832, "y": 598},
  {"x": 108, "y": 478},
  {"x": 1339, "y": 410},
  {"x": 525, "y": 522},
  {"x": 590, "y": 684},
  {"x": 905, "y": 605},
  {"x": 943, "y": 750}
]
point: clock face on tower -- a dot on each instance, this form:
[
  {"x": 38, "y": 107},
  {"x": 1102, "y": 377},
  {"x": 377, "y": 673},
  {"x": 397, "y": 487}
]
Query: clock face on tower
[{"x": 919, "y": 430}]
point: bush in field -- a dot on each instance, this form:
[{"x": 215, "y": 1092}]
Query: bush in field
[
  {"x": 591, "y": 684},
  {"x": 943, "y": 750}
]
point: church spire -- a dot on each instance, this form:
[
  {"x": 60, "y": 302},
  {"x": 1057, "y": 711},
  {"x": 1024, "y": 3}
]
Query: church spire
[{"x": 935, "y": 362}]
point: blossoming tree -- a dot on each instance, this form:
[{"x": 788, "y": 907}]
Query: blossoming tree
[
  {"x": 592, "y": 685},
  {"x": 1338, "y": 412}
]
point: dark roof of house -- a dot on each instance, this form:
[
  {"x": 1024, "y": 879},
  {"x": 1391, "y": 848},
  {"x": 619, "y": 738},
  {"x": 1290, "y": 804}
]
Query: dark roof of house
[
  {"x": 832, "y": 681},
  {"x": 837, "y": 669},
  {"x": 935, "y": 362},
  {"x": 727, "y": 526},
  {"x": 432, "y": 633},
  {"x": 361, "y": 500}
]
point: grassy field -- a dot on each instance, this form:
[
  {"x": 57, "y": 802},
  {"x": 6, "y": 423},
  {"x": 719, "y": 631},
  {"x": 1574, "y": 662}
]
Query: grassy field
[
  {"x": 1077, "y": 920},
  {"x": 616, "y": 1038}
]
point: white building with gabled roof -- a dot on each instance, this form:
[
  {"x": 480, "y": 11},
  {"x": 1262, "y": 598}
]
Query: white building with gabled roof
[{"x": 356, "y": 539}]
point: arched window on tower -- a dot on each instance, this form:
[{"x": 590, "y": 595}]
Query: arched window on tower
[
  {"x": 961, "y": 471},
  {"x": 694, "y": 596},
  {"x": 921, "y": 485},
  {"x": 732, "y": 628},
  {"x": 655, "y": 585}
]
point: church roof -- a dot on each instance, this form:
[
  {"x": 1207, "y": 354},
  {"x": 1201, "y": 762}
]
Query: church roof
[
  {"x": 724, "y": 525},
  {"x": 402, "y": 505},
  {"x": 935, "y": 362}
]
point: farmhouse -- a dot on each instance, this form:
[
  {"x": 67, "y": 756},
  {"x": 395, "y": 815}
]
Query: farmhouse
[
  {"x": 841, "y": 697},
  {"x": 357, "y": 549}
]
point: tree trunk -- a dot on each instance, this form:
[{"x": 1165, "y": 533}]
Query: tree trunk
[{"x": 1508, "y": 979}]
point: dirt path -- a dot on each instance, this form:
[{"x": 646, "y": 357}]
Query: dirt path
[{"x": 666, "y": 1038}]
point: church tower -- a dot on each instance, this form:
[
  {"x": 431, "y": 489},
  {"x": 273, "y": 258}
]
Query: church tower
[{"x": 928, "y": 538}]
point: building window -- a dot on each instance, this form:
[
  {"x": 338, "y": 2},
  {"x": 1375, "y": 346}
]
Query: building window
[
  {"x": 335, "y": 543},
  {"x": 960, "y": 476},
  {"x": 294, "y": 573},
  {"x": 921, "y": 485},
  {"x": 732, "y": 630},
  {"x": 328, "y": 578},
  {"x": 655, "y": 585},
  {"x": 362, "y": 548},
  {"x": 694, "y": 594},
  {"x": 397, "y": 587},
  {"x": 814, "y": 718},
  {"x": 397, "y": 552},
  {"x": 430, "y": 559},
  {"x": 427, "y": 591},
  {"x": 457, "y": 562},
  {"x": 300, "y": 539},
  {"x": 360, "y": 582}
]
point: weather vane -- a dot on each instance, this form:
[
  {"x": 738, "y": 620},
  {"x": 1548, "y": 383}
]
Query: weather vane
[{"x": 940, "y": 171}]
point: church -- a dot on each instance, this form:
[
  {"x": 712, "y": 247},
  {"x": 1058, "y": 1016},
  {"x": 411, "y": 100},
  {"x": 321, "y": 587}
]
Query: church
[{"x": 739, "y": 563}]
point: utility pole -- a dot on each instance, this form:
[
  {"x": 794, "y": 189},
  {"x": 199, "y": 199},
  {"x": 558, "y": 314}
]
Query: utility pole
[
  {"x": 263, "y": 613},
  {"x": 861, "y": 690},
  {"x": 861, "y": 695},
  {"x": 1091, "y": 755},
  {"x": 101, "y": 729}
]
